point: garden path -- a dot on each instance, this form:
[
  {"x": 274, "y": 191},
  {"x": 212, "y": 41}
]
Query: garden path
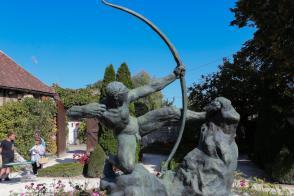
[
  {"x": 150, "y": 161},
  {"x": 17, "y": 185}
]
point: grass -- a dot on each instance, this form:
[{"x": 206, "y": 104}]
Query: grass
[{"x": 62, "y": 170}]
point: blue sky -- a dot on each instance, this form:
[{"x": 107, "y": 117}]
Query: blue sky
[{"x": 70, "y": 42}]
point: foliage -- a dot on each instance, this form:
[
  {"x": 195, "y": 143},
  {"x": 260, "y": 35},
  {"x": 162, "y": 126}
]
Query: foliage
[
  {"x": 283, "y": 169},
  {"x": 259, "y": 81},
  {"x": 257, "y": 187},
  {"x": 151, "y": 102},
  {"x": 237, "y": 81},
  {"x": 189, "y": 140},
  {"x": 271, "y": 50},
  {"x": 109, "y": 76},
  {"x": 24, "y": 118},
  {"x": 82, "y": 132},
  {"x": 138, "y": 149},
  {"x": 123, "y": 75},
  {"x": 96, "y": 162},
  {"x": 82, "y": 96},
  {"x": 168, "y": 103},
  {"x": 62, "y": 170},
  {"x": 107, "y": 140}
]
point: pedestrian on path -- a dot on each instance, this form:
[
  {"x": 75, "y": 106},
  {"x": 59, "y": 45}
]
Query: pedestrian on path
[
  {"x": 37, "y": 136},
  {"x": 7, "y": 153},
  {"x": 36, "y": 152}
]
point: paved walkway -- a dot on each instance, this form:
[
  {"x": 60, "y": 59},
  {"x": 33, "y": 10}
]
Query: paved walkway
[
  {"x": 250, "y": 170},
  {"x": 150, "y": 161},
  {"x": 17, "y": 183},
  {"x": 68, "y": 157}
]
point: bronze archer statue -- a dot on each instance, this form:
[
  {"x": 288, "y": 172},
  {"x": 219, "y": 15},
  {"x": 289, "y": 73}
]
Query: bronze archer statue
[{"x": 115, "y": 115}]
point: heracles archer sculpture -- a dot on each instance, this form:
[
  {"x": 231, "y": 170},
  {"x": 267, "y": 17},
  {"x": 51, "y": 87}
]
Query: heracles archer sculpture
[
  {"x": 115, "y": 115},
  {"x": 207, "y": 170}
]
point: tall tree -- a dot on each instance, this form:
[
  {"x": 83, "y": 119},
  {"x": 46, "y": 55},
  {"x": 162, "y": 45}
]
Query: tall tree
[
  {"x": 109, "y": 76},
  {"x": 271, "y": 50},
  {"x": 123, "y": 75},
  {"x": 260, "y": 83},
  {"x": 106, "y": 137}
]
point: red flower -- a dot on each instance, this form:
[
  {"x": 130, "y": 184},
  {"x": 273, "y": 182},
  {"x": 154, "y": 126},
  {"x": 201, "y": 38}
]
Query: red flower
[{"x": 82, "y": 158}]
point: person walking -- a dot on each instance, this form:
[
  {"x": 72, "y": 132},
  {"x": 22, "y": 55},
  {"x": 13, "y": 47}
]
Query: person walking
[
  {"x": 36, "y": 152},
  {"x": 7, "y": 153},
  {"x": 37, "y": 136}
]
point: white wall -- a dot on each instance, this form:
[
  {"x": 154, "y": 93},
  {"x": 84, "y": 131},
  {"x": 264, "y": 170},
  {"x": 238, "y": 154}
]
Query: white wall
[{"x": 73, "y": 131}]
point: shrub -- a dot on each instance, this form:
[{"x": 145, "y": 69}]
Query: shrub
[
  {"x": 96, "y": 162},
  {"x": 107, "y": 141},
  {"x": 82, "y": 132},
  {"x": 24, "y": 118},
  {"x": 283, "y": 168},
  {"x": 274, "y": 147},
  {"x": 62, "y": 170}
]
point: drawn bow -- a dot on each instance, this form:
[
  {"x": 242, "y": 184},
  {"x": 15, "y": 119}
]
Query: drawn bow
[{"x": 178, "y": 62}]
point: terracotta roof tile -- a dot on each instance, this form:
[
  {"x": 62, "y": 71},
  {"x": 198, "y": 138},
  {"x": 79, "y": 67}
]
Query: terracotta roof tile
[{"x": 14, "y": 76}]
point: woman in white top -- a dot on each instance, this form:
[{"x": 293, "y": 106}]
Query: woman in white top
[{"x": 36, "y": 152}]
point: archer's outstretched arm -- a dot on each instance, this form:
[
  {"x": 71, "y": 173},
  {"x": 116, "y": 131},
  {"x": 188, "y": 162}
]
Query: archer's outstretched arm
[
  {"x": 92, "y": 110},
  {"x": 155, "y": 85}
]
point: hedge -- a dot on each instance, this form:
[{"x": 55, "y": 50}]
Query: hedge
[
  {"x": 107, "y": 140},
  {"x": 24, "y": 118},
  {"x": 282, "y": 170},
  {"x": 96, "y": 162}
]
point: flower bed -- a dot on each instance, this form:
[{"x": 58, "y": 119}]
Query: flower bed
[
  {"x": 58, "y": 188},
  {"x": 257, "y": 187}
]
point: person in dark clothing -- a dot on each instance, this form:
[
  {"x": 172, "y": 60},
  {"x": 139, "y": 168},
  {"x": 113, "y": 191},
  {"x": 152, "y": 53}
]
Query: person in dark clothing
[{"x": 7, "y": 153}]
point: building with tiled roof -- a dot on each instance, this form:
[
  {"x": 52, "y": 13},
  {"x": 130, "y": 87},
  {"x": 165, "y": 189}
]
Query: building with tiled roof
[{"x": 16, "y": 83}]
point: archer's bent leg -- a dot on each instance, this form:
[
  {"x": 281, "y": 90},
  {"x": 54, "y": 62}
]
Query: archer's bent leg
[{"x": 126, "y": 152}]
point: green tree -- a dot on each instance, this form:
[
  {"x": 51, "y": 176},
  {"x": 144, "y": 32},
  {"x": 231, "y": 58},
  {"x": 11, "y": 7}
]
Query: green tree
[
  {"x": 151, "y": 102},
  {"x": 123, "y": 75},
  {"x": 109, "y": 76},
  {"x": 271, "y": 50},
  {"x": 106, "y": 138},
  {"x": 24, "y": 118},
  {"x": 82, "y": 96},
  {"x": 96, "y": 162},
  {"x": 260, "y": 83}
]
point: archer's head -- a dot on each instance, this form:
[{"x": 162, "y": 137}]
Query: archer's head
[{"x": 116, "y": 93}]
